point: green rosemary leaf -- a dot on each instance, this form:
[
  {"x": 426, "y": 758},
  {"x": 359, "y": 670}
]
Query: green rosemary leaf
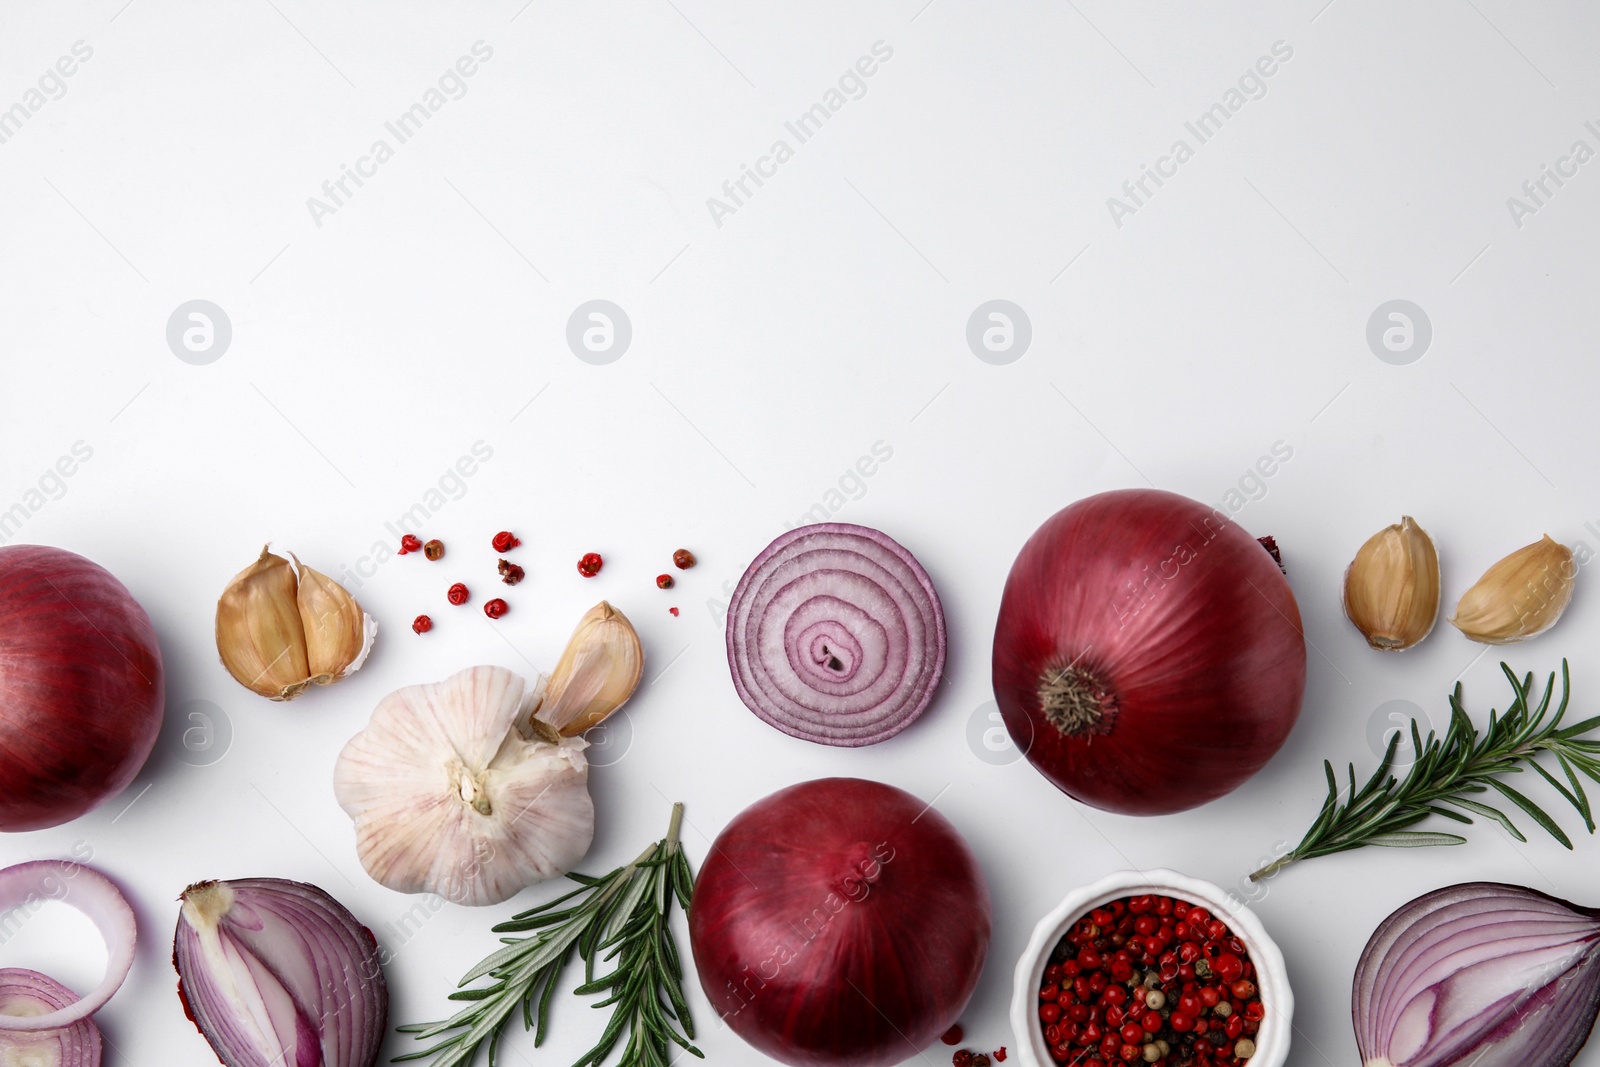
[
  {"x": 1414, "y": 839},
  {"x": 1534, "y": 811},
  {"x": 1463, "y": 763},
  {"x": 1494, "y": 813}
]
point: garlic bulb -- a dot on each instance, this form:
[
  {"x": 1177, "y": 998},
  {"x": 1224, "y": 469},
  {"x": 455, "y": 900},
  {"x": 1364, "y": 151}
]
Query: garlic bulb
[
  {"x": 457, "y": 789},
  {"x": 284, "y": 627}
]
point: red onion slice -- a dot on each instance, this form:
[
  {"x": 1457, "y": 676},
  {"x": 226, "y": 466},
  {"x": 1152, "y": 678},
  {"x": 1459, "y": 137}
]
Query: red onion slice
[
  {"x": 29, "y": 885},
  {"x": 25, "y": 993},
  {"x": 276, "y": 973},
  {"x": 1484, "y": 973},
  {"x": 836, "y": 635}
]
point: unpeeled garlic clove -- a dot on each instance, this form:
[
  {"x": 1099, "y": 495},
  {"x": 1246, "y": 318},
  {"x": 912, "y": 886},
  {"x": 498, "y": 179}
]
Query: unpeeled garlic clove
[
  {"x": 1391, "y": 588},
  {"x": 597, "y": 673},
  {"x": 338, "y": 633},
  {"x": 1519, "y": 597},
  {"x": 282, "y": 627}
]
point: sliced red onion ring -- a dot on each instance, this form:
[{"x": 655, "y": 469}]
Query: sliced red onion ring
[
  {"x": 836, "y": 635},
  {"x": 30, "y": 885},
  {"x": 1484, "y": 973},
  {"x": 277, "y": 973},
  {"x": 28, "y": 993}
]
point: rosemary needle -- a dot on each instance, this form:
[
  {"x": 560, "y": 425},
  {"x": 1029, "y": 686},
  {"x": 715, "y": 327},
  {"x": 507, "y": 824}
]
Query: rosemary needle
[
  {"x": 1449, "y": 770},
  {"x": 623, "y": 916}
]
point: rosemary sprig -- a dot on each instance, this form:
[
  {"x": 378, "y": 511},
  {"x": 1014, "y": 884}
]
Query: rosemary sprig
[
  {"x": 623, "y": 916},
  {"x": 1448, "y": 770}
]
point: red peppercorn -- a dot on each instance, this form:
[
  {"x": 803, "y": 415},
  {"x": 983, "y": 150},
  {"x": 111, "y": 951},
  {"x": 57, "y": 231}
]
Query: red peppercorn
[
  {"x": 962, "y": 1058},
  {"x": 1244, "y": 989},
  {"x": 674, "y": 612},
  {"x": 457, "y": 594},
  {"x": 434, "y": 550},
  {"x": 664, "y": 581},
  {"x": 510, "y": 573},
  {"x": 953, "y": 1035},
  {"x": 410, "y": 543},
  {"x": 1000, "y": 1054},
  {"x": 683, "y": 559},
  {"x": 1133, "y": 1033},
  {"x": 1048, "y": 1012},
  {"x": 505, "y": 541},
  {"x": 421, "y": 624},
  {"x": 1229, "y": 968},
  {"x": 590, "y": 564},
  {"x": 496, "y": 608}
]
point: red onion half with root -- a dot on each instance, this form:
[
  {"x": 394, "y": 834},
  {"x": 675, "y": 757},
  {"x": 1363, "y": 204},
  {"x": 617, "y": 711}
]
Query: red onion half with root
[
  {"x": 840, "y": 923},
  {"x": 1149, "y": 655}
]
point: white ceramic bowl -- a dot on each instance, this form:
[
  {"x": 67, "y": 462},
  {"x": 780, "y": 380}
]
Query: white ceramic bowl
[{"x": 1272, "y": 1042}]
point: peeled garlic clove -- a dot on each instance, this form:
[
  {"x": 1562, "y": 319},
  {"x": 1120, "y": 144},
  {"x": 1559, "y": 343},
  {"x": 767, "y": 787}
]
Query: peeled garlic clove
[
  {"x": 1391, "y": 588},
  {"x": 1520, "y": 597},
  {"x": 260, "y": 636},
  {"x": 338, "y": 633},
  {"x": 597, "y": 673},
  {"x": 450, "y": 793}
]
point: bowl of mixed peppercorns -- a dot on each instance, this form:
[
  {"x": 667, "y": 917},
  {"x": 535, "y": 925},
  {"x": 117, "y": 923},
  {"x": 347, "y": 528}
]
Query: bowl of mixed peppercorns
[{"x": 1151, "y": 967}]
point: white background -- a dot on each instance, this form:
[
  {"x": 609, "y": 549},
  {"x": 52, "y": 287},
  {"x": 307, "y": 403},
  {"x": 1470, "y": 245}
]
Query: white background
[{"x": 769, "y": 353}]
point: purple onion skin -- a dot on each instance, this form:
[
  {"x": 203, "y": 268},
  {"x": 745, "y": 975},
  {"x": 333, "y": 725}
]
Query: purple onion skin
[
  {"x": 81, "y": 686},
  {"x": 1541, "y": 1026},
  {"x": 339, "y": 995},
  {"x": 856, "y": 699},
  {"x": 840, "y": 923},
  {"x": 78, "y": 1045}
]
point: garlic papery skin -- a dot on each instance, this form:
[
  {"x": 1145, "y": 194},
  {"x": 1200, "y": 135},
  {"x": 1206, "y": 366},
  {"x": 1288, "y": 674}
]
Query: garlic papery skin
[
  {"x": 1519, "y": 597},
  {"x": 456, "y": 789},
  {"x": 1391, "y": 588},
  {"x": 283, "y": 627},
  {"x": 597, "y": 673}
]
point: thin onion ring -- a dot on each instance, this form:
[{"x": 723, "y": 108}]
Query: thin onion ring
[{"x": 92, "y": 893}]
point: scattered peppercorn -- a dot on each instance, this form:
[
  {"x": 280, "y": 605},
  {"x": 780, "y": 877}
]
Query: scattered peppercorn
[
  {"x": 505, "y": 541},
  {"x": 1154, "y": 979},
  {"x": 980, "y": 1060},
  {"x": 590, "y": 564},
  {"x": 510, "y": 573},
  {"x": 434, "y": 549},
  {"x": 953, "y": 1035},
  {"x": 674, "y": 612},
  {"x": 1000, "y": 1054},
  {"x": 664, "y": 581},
  {"x": 457, "y": 594},
  {"x": 683, "y": 558},
  {"x": 496, "y": 608},
  {"x": 421, "y": 624},
  {"x": 962, "y": 1058},
  {"x": 410, "y": 543}
]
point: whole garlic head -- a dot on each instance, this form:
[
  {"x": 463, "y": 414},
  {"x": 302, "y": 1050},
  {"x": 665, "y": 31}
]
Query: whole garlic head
[{"x": 456, "y": 788}]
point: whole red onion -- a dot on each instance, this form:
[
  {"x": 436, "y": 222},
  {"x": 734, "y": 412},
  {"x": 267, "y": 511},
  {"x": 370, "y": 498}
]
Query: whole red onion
[
  {"x": 1149, "y": 655},
  {"x": 81, "y": 689},
  {"x": 840, "y": 922}
]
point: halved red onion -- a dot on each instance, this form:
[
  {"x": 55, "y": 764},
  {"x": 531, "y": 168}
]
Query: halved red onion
[
  {"x": 30, "y": 886},
  {"x": 29, "y": 994},
  {"x": 276, "y": 973},
  {"x": 836, "y": 635},
  {"x": 1483, "y": 973}
]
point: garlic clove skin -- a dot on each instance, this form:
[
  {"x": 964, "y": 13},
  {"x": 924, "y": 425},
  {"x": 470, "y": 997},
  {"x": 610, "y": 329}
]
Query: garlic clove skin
[
  {"x": 260, "y": 636},
  {"x": 283, "y": 627},
  {"x": 1391, "y": 588},
  {"x": 597, "y": 673},
  {"x": 450, "y": 793},
  {"x": 339, "y": 634},
  {"x": 1519, "y": 597}
]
